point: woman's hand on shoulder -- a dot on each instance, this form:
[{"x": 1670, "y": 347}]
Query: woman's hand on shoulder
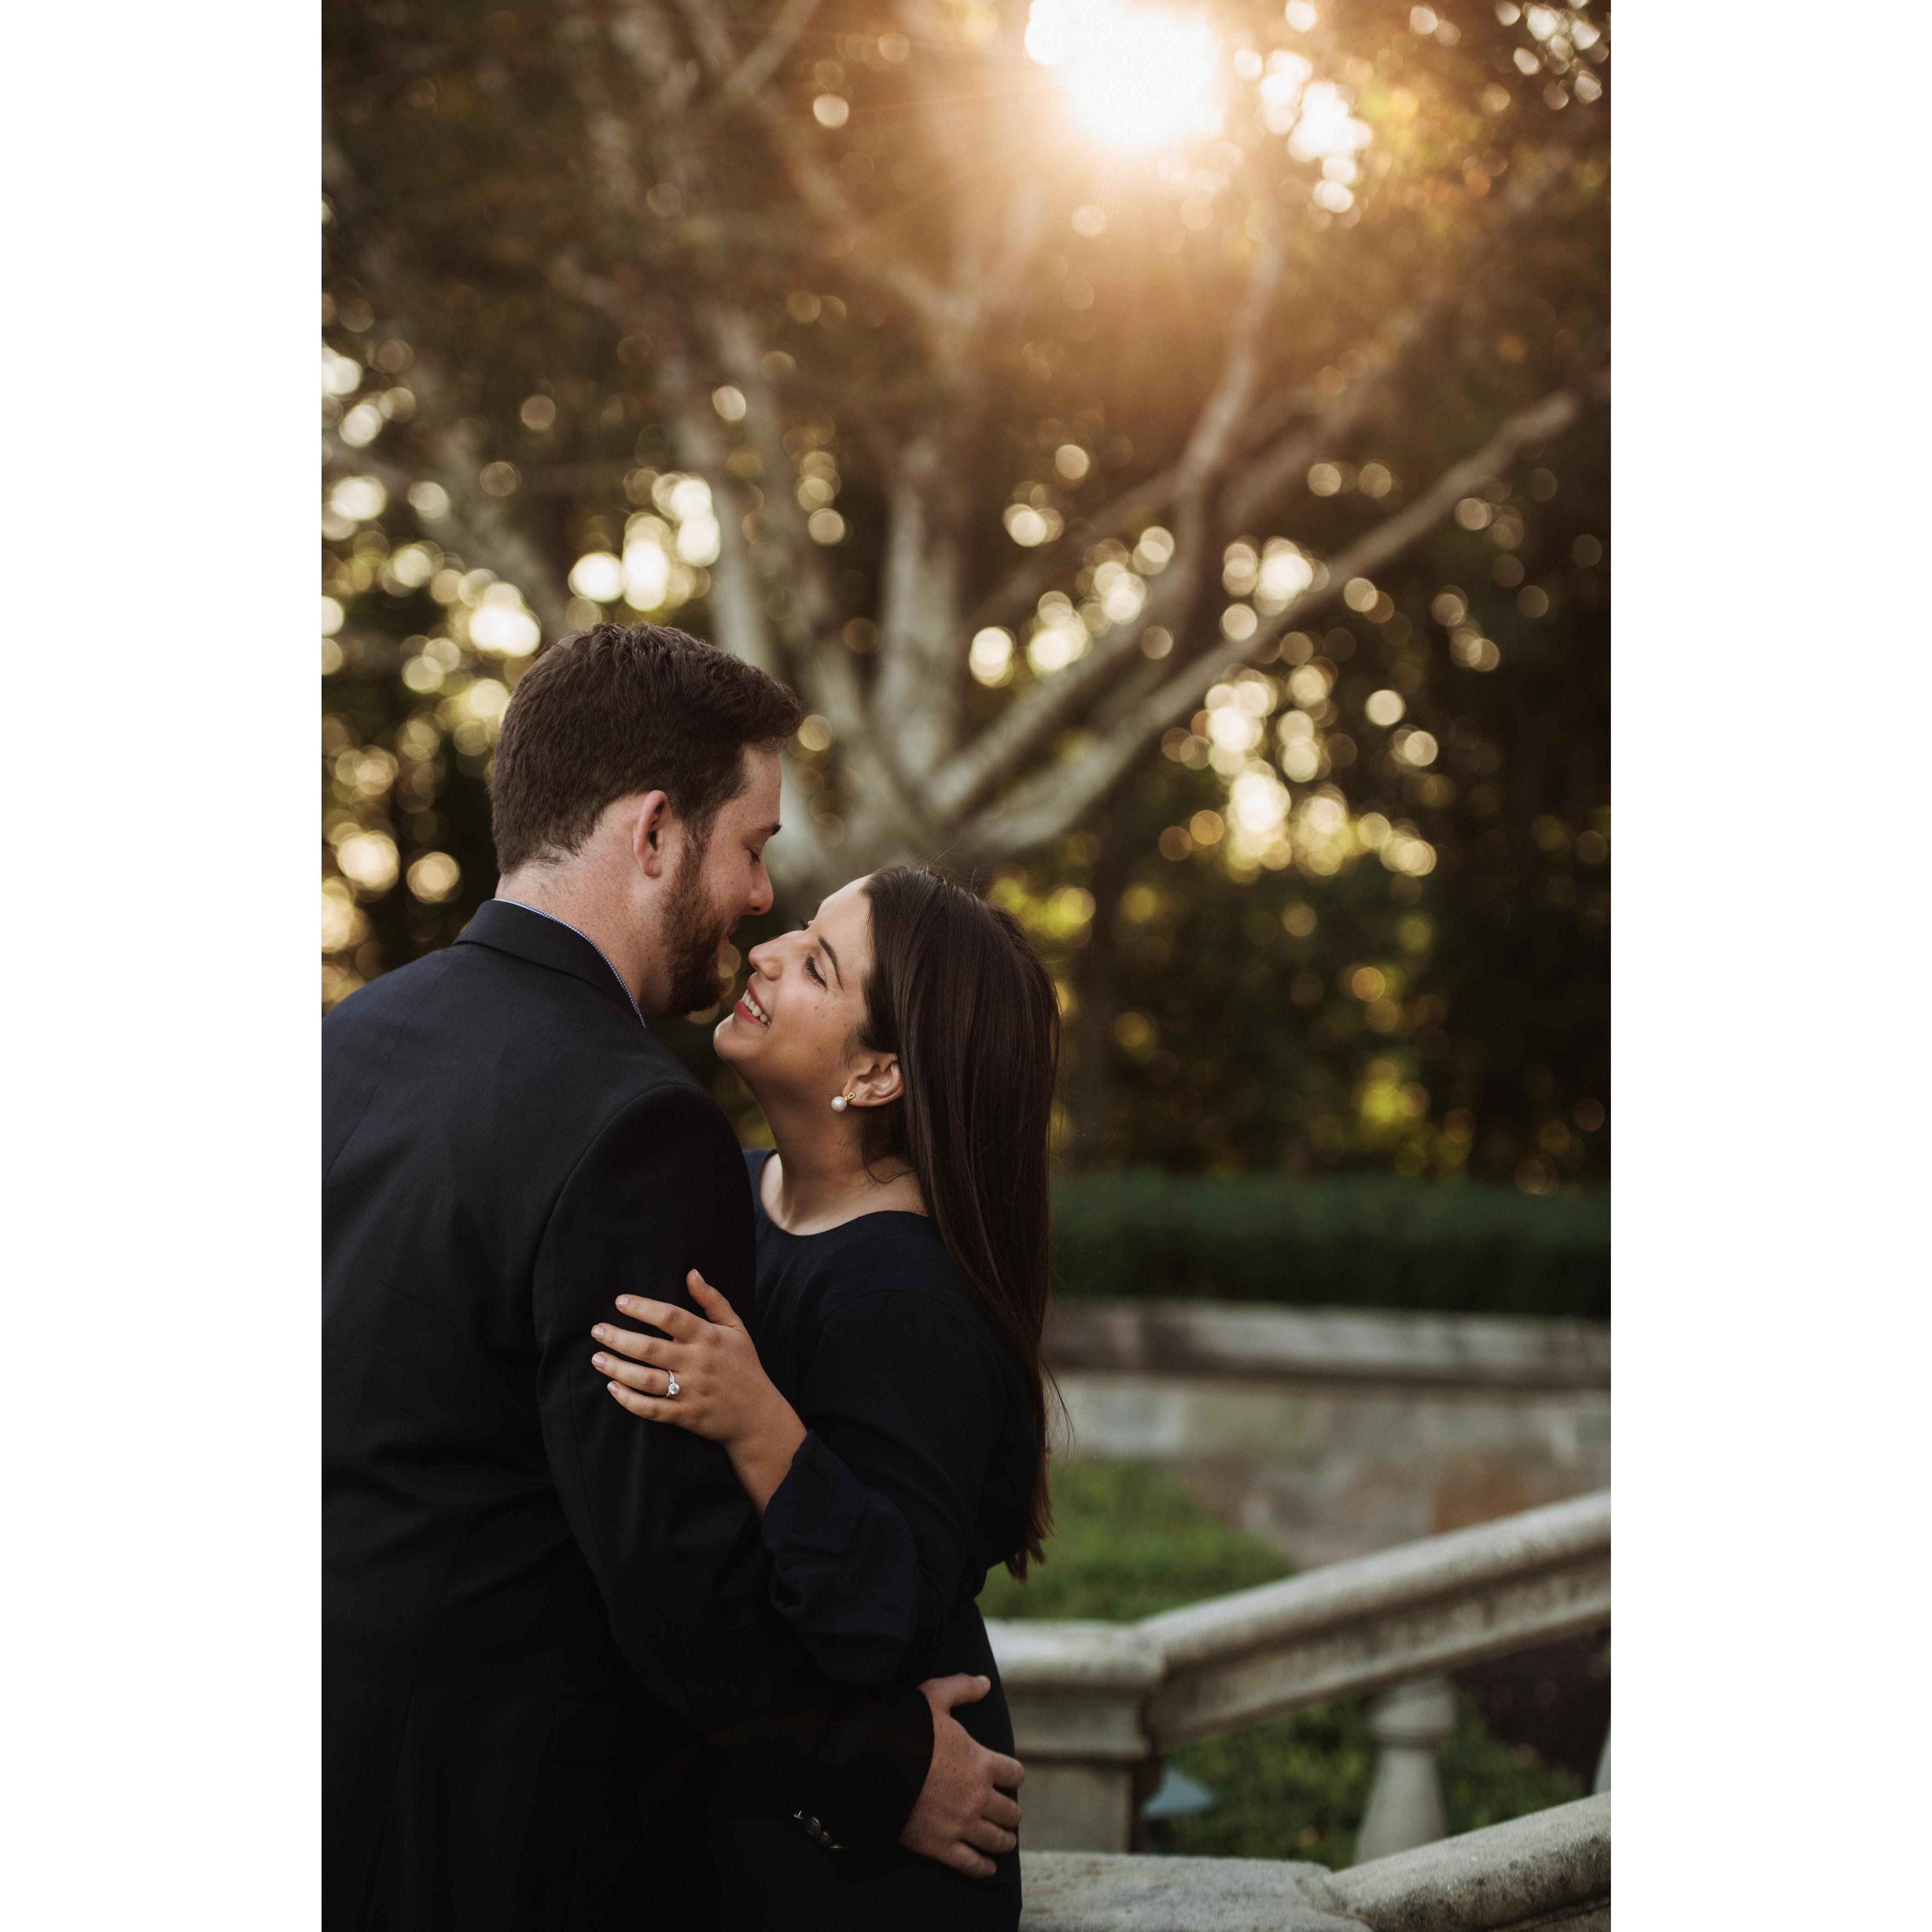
[
  {"x": 703, "y": 1375},
  {"x": 721, "y": 1390}
]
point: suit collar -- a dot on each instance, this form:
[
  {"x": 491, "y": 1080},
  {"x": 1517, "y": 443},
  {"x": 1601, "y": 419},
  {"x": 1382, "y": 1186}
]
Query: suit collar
[{"x": 505, "y": 926}]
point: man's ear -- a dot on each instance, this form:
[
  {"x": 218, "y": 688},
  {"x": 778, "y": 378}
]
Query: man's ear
[{"x": 650, "y": 832}]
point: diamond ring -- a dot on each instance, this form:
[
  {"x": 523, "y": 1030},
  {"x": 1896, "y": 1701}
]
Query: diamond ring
[{"x": 673, "y": 1389}]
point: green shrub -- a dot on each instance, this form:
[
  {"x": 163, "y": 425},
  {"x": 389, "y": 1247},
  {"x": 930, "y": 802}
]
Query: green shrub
[
  {"x": 1129, "y": 1540},
  {"x": 1297, "y": 1788},
  {"x": 1361, "y": 1240}
]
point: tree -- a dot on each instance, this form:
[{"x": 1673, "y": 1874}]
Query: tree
[
  {"x": 1058, "y": 396},
  {"x": 826, "y": 263}
]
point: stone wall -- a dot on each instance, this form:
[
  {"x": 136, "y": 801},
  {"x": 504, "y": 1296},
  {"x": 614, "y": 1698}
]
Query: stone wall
[{"x": 1334, "y": 1432}]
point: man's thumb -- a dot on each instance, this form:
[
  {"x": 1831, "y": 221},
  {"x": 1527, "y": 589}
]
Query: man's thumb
[{"x": 942, "y": 1692}]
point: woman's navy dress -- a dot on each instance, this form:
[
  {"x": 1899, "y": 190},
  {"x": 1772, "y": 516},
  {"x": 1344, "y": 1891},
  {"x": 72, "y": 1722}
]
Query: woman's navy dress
[{"x": 912, "y": 1483}]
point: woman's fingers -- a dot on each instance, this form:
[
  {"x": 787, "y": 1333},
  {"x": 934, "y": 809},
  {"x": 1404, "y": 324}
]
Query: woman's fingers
[
  {"x": 648, "y": 1382},
  {"x": 639, "y": 1348},
  {"x": 647, "y": 1406},
  {"x": 678, "y": 1322},
  {"x": 713, "y": 1304}
]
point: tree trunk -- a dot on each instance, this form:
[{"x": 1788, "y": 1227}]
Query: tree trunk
[{"x": 1096, "y": 993}]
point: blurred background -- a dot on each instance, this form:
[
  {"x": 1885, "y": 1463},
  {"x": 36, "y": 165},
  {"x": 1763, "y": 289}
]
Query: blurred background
[{"x": 1165, "y": 447}]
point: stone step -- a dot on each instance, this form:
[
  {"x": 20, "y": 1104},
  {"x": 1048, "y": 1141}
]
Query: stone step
[{"x": 1549, "y": 1870}]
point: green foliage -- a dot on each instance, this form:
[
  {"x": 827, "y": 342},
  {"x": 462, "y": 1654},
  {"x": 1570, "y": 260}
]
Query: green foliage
[
  {"x": 1297, "y": 1788},
  {"x": 1362, "y": 1241},
  {"x": 1455, "y": 1024},
  {"x": 1129, "y": 1540}
]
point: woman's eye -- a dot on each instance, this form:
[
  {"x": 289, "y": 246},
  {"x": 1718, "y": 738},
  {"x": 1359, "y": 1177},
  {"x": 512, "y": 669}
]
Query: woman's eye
[{"x": 812, "y": 967}]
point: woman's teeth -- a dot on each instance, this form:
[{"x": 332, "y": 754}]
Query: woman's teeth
[{"x": 756, "y": 1012}]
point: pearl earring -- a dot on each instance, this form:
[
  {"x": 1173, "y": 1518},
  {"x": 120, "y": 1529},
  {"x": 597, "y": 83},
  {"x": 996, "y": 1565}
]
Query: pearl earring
[{"x": 840, "y": 1101}]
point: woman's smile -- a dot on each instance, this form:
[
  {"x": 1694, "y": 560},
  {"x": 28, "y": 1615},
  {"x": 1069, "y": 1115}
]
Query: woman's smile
[{"x": 747, "y": 1008}]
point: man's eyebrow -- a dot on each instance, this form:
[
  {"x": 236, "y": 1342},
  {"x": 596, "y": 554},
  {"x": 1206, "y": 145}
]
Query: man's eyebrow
[
  {"x": 768, "y": 831},
  {"x": 834, "y": 957}
]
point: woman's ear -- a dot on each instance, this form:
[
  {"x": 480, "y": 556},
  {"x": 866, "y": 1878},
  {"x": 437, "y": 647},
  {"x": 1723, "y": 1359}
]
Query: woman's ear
[{"x": 878, "y": 1083}]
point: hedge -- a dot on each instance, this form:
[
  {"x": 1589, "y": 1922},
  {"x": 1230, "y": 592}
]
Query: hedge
[{"x": 1367, "y": 1240}]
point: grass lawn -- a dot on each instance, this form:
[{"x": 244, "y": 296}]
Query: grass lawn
[{"x": 1129, "y": 1540}]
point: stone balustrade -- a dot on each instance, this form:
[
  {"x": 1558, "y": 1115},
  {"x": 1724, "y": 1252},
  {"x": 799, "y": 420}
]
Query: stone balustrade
[
  {"x": 1095, "y": 1704},
  {"x": 1546, "y": 1872}
]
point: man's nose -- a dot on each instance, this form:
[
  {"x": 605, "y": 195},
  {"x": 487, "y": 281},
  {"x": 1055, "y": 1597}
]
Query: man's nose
[{"x": 760, "y": 901}]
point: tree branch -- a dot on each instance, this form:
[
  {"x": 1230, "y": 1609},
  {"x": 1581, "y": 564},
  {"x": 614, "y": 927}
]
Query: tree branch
[
  {"x": 1020, "y": 590},
  {"x": 712, "y": 35},
  {"x": 916, "y": 697},
  {"x": 822, "y": 667},
  {"x": 737, "y": 610},
  {"x": 1272, "y": 470},
  {"x": 1537, "y": 424},
  {"x": 612, "y": 150},
  {"x": 821, "y": 193},
  {"x": 967, "y": 780},
  {"x": 1037, "y": 713},
  {"x": 643, "y": 35},
  {"x": 762, "y": 62},
  {"x": 1216, "y": 428},
  {"x": 1056, "y": 798},
  {"x": 1261, "y": 481}
]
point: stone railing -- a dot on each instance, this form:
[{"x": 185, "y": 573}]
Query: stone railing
[
  {"x": 1547, "y": 1871},
  {"x": 1095, "y": 1705}
]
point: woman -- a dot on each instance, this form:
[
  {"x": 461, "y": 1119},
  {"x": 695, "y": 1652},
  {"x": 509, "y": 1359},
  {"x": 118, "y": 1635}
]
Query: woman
[{"x": 889, "y": 1424}]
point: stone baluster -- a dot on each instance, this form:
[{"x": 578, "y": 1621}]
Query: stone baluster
[
  {"x": 1410, "y": 1723},
  {"x": 1603, "y": 1782},
  {"x": 1075, "y": 1691}
]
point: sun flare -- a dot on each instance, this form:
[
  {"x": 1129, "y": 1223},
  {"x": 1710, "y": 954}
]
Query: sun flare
[{"x": 1136, "y": 76}]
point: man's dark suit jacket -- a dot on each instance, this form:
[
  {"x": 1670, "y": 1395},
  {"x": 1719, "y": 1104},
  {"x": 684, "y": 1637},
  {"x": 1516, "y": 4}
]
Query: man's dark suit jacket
[{"x": 533, "y": 1603}]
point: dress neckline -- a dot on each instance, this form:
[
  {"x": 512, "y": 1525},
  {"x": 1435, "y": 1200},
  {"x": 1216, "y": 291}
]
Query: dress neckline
[{"x": 819, "y": 1234}]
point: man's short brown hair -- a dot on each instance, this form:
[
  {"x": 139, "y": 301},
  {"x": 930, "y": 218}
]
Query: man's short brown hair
[{"x": 618, "y": 709}]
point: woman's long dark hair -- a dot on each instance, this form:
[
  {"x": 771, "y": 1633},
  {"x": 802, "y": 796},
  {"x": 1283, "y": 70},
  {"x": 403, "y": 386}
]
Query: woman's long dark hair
[{"x": 958, "y": 993}]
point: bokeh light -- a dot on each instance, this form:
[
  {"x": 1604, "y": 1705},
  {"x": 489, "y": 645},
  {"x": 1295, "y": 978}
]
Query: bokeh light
[
  {"x": 599, "y": 576},
  {"x": 990, "y": 657},
  {"x": 1136, "y": 76}
]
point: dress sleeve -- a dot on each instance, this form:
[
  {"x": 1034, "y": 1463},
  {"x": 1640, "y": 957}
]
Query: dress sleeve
[
  {"x": 872, "y": 1529},
  {"x": 669, "y": 1536}
]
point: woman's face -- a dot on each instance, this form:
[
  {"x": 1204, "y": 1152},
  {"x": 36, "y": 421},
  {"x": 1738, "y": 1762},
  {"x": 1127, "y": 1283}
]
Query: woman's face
[{"x": 794, "y": 1032}]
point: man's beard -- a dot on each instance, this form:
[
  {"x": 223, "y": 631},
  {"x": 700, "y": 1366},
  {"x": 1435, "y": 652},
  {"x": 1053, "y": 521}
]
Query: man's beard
[{"x": 695, "y": 936}]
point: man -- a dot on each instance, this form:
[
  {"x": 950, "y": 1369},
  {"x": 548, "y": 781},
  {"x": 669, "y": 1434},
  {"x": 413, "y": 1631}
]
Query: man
[{"x": 535, "y": 1607}]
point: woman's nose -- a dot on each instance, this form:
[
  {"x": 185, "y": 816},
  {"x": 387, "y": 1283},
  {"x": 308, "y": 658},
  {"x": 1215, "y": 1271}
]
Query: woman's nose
[{"x": 763, "y": 958}]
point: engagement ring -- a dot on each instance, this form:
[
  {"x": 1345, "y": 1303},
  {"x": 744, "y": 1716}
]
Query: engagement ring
[{"x": 673, "y": 1389}]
